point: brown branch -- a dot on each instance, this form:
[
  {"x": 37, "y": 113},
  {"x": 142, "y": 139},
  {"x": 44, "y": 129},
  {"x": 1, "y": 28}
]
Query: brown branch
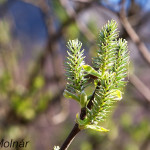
[
  {"x": 140, "y": 86},
  {"x": 81, "y": 25},
  {"x": 70, "y": 138},
  {"x": 133, "y": 35}
]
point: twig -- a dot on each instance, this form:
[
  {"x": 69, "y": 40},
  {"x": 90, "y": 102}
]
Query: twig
[
  {"x": 140, "y": 86},
  {"x": 133, "y": 35},
  {"x": 76, "y": 128},
  {"x": 70, "y": 138},
  {"x": 82, "y": 27}
]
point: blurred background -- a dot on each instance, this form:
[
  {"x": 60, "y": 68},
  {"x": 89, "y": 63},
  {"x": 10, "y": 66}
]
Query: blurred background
[{"x": 33, "y": 37}]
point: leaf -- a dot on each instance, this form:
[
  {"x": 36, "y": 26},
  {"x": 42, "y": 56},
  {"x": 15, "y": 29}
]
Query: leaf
[
  {"x": 83, "y": 124},
  {"x": 91, "y": 71},
  {"x": 96, "y": 128},
  {"x": 68, "y": 94}
]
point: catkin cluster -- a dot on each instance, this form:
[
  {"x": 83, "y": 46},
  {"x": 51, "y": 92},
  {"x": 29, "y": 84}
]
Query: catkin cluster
[{"x": 109, "y": 70}]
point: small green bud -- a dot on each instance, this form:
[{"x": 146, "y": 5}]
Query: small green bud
[{"x": 83, "y": 99}]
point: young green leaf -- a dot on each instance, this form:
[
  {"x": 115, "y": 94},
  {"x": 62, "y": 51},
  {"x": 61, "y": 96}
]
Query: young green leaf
[
  {"x": 91, "y": 71},
  {"x": 96, "y": 128},
  {"x": 68, "y": 94}
]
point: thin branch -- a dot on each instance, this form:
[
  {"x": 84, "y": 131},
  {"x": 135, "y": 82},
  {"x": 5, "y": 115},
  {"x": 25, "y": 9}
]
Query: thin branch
[
  {"x": 70, "y": 138},
  {"x": 82, "y": 26},
  {"x": 76, "y": 128},
  {"x": 140, "y": 86},
  {"x": 133, "y": 35}
]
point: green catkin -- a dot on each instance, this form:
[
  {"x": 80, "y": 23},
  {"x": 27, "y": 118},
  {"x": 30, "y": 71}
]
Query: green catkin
[{"x": 111, "y": 66}]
